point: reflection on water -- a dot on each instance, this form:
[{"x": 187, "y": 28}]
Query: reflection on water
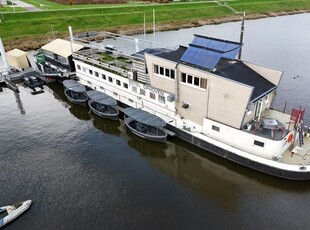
[
  {"x": 80, "y": 112},
  {"x": 19, "y": 103},
  {"x": 189, "y": 164},
  {"x": 65, "y": 163},
  {"x": 105, "y": 125}
]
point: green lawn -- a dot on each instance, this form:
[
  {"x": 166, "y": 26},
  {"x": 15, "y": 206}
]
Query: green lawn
[{"x": 105, "y": 17}]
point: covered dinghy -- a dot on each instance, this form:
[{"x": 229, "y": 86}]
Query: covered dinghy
[
  {"x": 102, "y": 104},
  {"x": 145, "y": 124},
  {"x": 75, "y": 92}
]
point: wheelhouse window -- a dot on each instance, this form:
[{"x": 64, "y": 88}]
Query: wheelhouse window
[
  {"x": 192, "y": 80},
  {"x": 183, "y": 77},
  {"x": 203, "y": 83},
  {"x": 155, "y": 68},
  {"x": 196, "y": 81},
  {"x": 63, "y": 60},
  {"x": 163, "y": 71},
  {"x": 48, "y": 53}
]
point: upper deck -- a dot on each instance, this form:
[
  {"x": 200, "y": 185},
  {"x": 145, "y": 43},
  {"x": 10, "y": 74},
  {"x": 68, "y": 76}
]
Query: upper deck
[{"x": 115, "y": 63}]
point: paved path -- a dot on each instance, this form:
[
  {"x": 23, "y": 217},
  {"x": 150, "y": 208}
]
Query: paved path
[{"x": 24, "y": 5}]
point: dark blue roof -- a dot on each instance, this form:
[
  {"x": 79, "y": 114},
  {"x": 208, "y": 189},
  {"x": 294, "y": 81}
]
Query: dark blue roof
[
  {"x": 240, "y": 72},
  {"x": 206, "y": 52},
  {"x": 149, "y": 51},
  {"x": 173, "y": 55}
]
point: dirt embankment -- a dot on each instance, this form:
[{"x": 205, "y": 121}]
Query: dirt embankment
[{"x": 37, "y": 42}]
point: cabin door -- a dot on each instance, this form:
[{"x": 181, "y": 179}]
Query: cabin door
[{"x": 258, "y": 109}]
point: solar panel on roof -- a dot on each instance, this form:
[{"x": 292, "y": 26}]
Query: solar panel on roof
[
  {"x": 206, "y": 52},
  {"x": 201, "y": 57}
]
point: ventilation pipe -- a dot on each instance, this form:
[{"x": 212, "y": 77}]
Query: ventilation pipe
[{"x": 137, "y": 45}]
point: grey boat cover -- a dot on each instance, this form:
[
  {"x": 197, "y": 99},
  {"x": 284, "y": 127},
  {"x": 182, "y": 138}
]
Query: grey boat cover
[
  {"x": 74, "y": 86},
  {"x": 101, "y": 98},
  {"x": 144, "y": 117}
]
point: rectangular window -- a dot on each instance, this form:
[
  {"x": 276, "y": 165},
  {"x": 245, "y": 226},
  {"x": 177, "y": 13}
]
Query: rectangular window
[
  {"x": 259, "y": 143},
  {"x": 189, "y": 79},
  {"x": 196, "y": 81},
  {"x": 84, "y": 69},
  {"x": 167, "y": 74},
  {"x": 118, "y": 82},
  {"x": 125, "y": 85},
  {"x": 203, "y": 83},
  {"x": 142, "y": 92},
  {"x": 101, "y": 87},
  {"x": 161, "y": 70},
  {"x": 78, "y": 67},
  {"x": 110, "y": 79},
  {"x": 183, "y": 77},
  {"x": 96, "y": 74},
  {"x": 134, "y": 88},
  {"x": 155, "y": 68},
  {"x": 161, "y": 99},
  {"x": 103, "y": 77},
  {"x": 152, "y": 95},
  {"x": 215, "y": 128},
  {"x": 90, "y": 72},
  {"x": 172, "y": 74}
]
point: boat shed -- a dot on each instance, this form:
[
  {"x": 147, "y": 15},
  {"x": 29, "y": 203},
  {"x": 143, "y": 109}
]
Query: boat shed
[
  {"x": 58, "y": 54},
  {"x": 18, "y": 59}
]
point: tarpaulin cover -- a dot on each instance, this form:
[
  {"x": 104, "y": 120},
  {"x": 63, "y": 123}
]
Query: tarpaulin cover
[
  {"x": 144, "y": 117},
  {"x": 74, "y": 86},
  {"x": 101, "y": 98}
]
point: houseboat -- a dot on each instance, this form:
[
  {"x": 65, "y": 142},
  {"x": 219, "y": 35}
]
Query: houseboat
[{"x": 206, "y": 97}]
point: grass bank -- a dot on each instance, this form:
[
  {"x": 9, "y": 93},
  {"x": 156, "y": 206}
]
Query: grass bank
[{"x": 29, "y": 30}]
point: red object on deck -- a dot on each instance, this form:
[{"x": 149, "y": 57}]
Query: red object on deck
[{"x": 297, "y": 115}]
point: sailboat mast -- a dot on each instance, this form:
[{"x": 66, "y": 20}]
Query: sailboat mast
[{"x": 241, "y": 35}]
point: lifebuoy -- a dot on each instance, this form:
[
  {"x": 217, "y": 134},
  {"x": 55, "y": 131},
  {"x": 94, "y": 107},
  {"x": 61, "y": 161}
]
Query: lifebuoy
[{"x": 290, "y": 138}]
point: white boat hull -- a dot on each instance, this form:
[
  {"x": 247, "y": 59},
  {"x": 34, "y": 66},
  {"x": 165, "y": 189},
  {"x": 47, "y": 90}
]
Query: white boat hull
[{"x": 13, "y": 211}]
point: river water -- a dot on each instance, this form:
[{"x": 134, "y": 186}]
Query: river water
[{"x": 87, "y": 173}]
